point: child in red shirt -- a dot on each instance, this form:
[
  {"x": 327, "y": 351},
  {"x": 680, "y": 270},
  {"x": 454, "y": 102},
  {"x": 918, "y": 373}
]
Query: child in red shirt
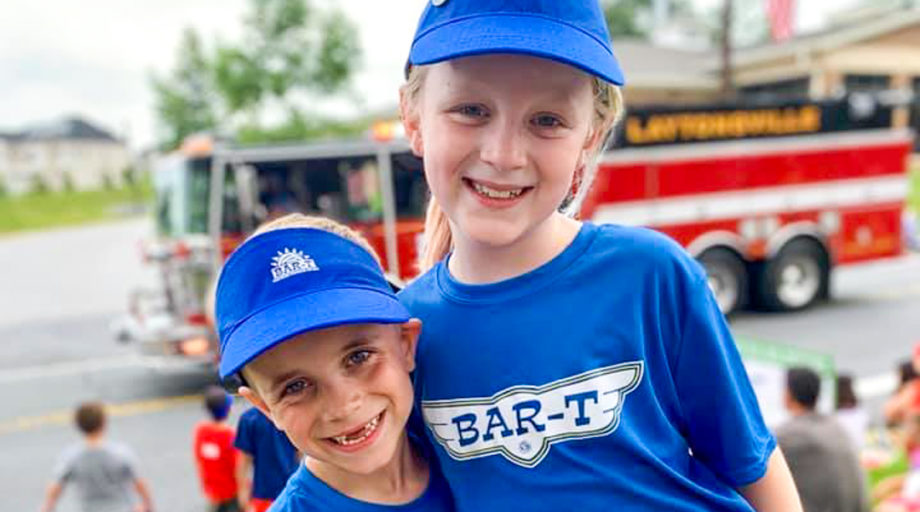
[{"x": 215, "y": 455}]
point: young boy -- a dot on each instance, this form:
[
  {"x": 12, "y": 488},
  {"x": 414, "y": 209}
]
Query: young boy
[
  {"x": 215, "y": 456},
  {"x": 103, "y": 472},
  {"x": 324, "y": 349},
  {"x": 267, "y": 460}
]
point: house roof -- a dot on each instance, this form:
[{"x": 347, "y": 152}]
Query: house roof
[
  {"x": 648, "y": 65},
  {"x": 68, "y": 128},
  {"x": 831, "y": 38}
]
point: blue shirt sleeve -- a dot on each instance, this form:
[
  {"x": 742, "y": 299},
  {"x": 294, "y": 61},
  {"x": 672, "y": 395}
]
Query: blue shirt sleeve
[
  {"x": 722, "y": 420},
  {"x": 244, "y": 439}
]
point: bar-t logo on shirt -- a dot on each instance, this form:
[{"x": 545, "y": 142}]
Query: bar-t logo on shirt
[{"x": 522, "y": 422}]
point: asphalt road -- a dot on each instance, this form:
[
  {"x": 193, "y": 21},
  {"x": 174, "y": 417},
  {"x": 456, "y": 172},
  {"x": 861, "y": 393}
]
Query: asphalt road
[{"x": 60, "y": 291}]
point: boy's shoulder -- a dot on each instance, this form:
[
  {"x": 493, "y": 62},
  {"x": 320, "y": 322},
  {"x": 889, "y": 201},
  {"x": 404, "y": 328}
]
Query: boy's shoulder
[
  {"x": 305, "y": 492},
  {"x": 419, "y": 286}
]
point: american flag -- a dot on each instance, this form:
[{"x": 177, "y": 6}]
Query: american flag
[{"x": 782, "y": 18}]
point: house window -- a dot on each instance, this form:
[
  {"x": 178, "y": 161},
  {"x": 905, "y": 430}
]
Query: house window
[
  {"x": 866, "y": 83},
  {"x": 915, "y": 112},
  {"x": 792, "y": 89}
]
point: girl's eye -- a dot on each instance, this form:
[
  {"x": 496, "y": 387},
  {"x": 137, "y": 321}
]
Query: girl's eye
[
  {"x": 475, "y": 111},
  {"x": 358, "y": 357},
  {"x": 547, "y": 121}
]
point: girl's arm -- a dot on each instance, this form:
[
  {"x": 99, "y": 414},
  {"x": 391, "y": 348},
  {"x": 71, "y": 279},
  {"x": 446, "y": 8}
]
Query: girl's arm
[{"x": 775, "y": 490}]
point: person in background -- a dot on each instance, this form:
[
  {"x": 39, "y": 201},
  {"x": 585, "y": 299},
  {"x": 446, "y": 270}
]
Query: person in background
[
  {"x": 818, "y": 450},
  {"x": 904, "y": 489},
  {"x": 103, "y": 472},
  {"x": 906, "y": 399},
  {"x": 215, "y": 456},
  {"x": 852, "y": 417},
  {"x": 267, "y": 460}
]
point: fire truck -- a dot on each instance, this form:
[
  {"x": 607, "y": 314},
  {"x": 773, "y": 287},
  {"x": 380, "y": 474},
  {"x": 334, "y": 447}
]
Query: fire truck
[
  {"x": 768, "y": 198},
  {"x": 210, "y": 196}
]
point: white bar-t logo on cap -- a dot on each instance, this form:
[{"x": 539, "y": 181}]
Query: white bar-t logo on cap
[{"x": 291, "y": 262}]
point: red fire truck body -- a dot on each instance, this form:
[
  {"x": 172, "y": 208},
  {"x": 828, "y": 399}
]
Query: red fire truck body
[
  {"x": 768, "y": 199},
  {"x": 748, "y": 199}
]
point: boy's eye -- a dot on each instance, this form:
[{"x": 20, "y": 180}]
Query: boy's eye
[
  {"x": 547, "y": 121},
  {"x": 294, "y": 387},
  {"x": 358, "y": 357}
]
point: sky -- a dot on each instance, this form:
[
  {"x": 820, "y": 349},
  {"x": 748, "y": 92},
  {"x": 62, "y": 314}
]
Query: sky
[{"x": 94, "y": 58}]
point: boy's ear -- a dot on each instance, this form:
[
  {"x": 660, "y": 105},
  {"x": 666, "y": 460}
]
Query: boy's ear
[
  {"x": 408, "y": 113},
  {"x": 252, "y": 396},
  {"x": 409, "y": 332}
]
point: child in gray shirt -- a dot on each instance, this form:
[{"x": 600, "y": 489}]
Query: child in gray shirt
[{"x": 102, "y": 472}]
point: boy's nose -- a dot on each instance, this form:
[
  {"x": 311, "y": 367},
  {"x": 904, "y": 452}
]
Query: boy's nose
[
  {"x": 504, "y": 146},
  {"x": 341, "y": 404}
]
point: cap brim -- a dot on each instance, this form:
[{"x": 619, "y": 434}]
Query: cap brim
[
  {"x": 319, "y": 310},
  {"x": 508, "y": 33}
]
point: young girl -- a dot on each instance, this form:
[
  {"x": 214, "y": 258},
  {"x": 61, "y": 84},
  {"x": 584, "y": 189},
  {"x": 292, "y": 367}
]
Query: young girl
[{"x": 561, "y": 363}]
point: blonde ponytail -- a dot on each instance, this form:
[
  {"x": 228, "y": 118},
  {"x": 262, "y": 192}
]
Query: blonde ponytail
[{"x": 437, "y": 238}]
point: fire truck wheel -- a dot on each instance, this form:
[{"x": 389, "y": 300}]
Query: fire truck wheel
[
  {"x": 795, "y": 278},
  {"x": 727, "y": 278}
]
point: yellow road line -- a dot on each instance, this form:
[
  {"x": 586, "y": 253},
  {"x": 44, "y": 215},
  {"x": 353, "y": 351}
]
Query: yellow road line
[{"x": 57, "y": 418}]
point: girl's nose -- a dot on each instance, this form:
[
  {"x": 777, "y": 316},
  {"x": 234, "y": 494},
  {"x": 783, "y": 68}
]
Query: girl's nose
[{"x": 504, "y": 146}]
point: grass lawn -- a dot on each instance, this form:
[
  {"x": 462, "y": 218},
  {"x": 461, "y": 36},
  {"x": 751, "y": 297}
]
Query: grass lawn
[
  {"x": 913, "y": 194},
  {"x": 50, "y": 209}
]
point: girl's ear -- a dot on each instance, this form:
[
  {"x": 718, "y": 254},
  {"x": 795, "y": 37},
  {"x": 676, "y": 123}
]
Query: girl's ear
[
  {"x": 409, "y": 332},
  {"x": 408, "y": 112},
  {"x": 590, "y": 148}
]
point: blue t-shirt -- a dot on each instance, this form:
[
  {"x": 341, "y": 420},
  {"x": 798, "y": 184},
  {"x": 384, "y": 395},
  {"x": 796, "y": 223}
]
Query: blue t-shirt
[
  {"x": 306, "y": 493},
  {"x": 274, "y": 458},
  {"x": 606, "y": 378}
]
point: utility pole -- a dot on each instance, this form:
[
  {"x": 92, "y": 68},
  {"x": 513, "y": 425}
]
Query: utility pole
[{"x": 728, "y": 83}]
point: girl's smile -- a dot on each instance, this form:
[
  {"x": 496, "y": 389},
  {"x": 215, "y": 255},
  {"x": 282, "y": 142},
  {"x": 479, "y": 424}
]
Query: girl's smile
[{"x": 502, "y": 137}]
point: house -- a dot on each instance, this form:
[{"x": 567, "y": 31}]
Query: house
[
  {"x": 876, "y": 51},
  {"x": 70, "y": 153}
]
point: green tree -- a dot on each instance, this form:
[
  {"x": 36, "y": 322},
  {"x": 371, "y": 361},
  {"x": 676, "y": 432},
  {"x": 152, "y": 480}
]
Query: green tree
[
  {"x": 185, "y": 101},
  {"x": 38, "y": 185},
  {"x": 289, "y": 50},
  {"x": 636, "y": 18},
  {"x": 624, "y": 17},
  {"x": 67, "y": 184}
]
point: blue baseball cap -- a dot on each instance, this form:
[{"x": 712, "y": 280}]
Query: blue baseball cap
[
  {"x": 573, "y": 32},
  {"x": 285, "y": 282}
]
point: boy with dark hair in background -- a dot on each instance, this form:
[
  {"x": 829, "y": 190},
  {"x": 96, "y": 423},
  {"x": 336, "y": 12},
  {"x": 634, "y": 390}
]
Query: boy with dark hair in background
[
  {"x": 818, "y": 450},
  {"x": 103, "y": 472},
  {"x": 215, "y": 456},
  {"x": 267, "y": 460}
]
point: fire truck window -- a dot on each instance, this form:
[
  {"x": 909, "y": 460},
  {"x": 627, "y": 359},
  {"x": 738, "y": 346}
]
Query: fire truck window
[
  {"x": 231, "y": 218},
  {"x": 362, "y": 190},
  {"x": 409, "y": 186},
  {"x": 866, "y": 83},
  {"x": 199, "y": 178},
  {"x": 166, "y": 177}
]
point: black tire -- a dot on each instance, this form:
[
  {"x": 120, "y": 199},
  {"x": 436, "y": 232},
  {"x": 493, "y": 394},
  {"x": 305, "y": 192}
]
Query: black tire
[
  {"x": 727, "y": 277},
  {"x": 795, "y": 278}
]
